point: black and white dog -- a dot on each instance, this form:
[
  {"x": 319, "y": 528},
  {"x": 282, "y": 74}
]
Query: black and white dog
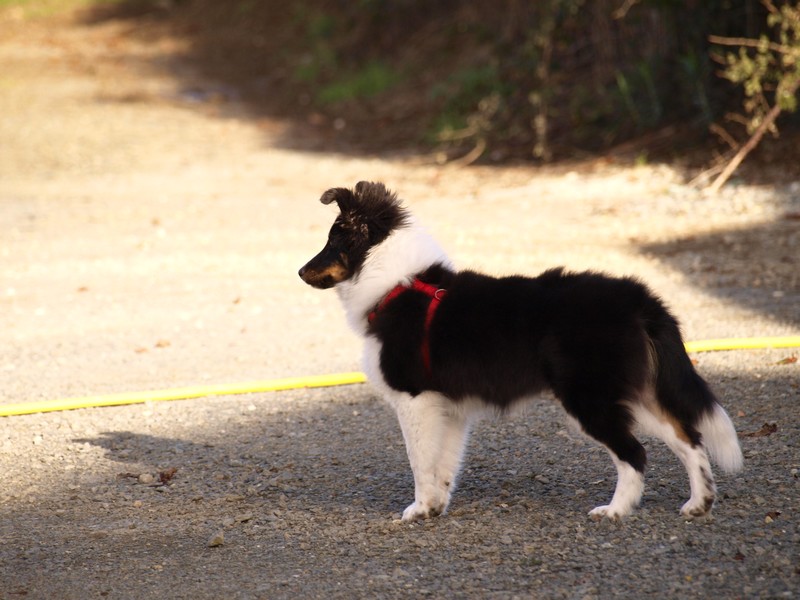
[{"x": 443, "y": 345}]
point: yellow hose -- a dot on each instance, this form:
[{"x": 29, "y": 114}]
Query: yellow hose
[
  {"x": 271, "y": 385},
  {"x": 292, "y": 383},
  {"x": 791, "y": 341}
]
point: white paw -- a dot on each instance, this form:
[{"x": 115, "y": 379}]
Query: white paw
[
  {"x": 421, "y": 510},
  {"x": 697, "y": 507},
  {"x": 608, "y": 512}
]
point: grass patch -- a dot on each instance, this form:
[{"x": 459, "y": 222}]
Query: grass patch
[
  {"x": 369, "y": 81},
  {"x": 320, "y": 55}
]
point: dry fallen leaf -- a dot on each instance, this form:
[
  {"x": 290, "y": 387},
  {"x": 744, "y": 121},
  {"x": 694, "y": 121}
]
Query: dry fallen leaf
[
  {"x": 789, "y": 360},
  {"x": 166, "y": 475},
  {"x": 766, "y": 429}
]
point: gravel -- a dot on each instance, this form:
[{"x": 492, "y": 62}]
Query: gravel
[
  {"x": 137, "y": 259},
  {"x": 298, "y": 494}
]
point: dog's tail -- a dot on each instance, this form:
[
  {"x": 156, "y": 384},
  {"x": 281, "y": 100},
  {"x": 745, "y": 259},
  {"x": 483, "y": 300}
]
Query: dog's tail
[
  {"x": 684, "y": 394},
  {"x": 719, "y": 437}
]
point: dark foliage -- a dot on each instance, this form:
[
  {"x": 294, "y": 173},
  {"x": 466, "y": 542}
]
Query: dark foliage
[{"x": 504, "y": 79}]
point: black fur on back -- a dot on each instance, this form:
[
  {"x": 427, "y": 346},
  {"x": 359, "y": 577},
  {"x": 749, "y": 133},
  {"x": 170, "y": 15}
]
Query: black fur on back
[{"x": 596, "y": 341}]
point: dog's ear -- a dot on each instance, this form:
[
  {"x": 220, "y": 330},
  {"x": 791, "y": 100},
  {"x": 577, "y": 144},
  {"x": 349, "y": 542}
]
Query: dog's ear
[
  {"x": 370, "y": 189},
  {"x": 342, "y": 196}
]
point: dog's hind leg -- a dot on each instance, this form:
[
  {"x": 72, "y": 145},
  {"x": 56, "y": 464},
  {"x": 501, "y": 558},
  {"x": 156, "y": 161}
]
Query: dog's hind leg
[
  {"x": 435, "y": 433},
  {"x": 691, "y": 453},
  {"x": 611, "y": 427},
  {"x": 701, "y": 479}
]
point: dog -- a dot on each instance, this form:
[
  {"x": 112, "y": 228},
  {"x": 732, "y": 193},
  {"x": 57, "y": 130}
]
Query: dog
[{"x": 442, "y": 346}]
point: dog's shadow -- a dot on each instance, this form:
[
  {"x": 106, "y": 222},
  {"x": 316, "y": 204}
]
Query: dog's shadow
[
  {"x": 339, "y": 455},
  {"x": 352, "y": 454}
]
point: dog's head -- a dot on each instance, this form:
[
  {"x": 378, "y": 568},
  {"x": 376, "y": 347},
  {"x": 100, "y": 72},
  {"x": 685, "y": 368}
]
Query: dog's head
[{"x": 367, "y": 215}]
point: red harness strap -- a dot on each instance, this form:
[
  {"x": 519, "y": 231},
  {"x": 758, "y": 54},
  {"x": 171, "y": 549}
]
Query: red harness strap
[{"x": 436, "y": 294}]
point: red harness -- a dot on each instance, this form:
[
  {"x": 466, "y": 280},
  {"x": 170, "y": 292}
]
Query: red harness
[{"x": 436, "y": 294}]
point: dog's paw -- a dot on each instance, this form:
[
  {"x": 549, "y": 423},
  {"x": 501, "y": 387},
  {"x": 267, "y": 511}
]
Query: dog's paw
[
  {"x": 695, "y": 509},
  {"x": 420, "y": 510},
  {"x": 608, "y": 512}
]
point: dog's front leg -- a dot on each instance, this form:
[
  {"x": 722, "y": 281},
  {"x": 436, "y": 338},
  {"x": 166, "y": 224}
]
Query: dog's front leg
[{"x": 435, "y": 436}]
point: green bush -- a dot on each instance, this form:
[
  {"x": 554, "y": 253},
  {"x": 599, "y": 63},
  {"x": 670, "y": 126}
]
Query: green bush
[
  {"x": 370, "y": 80},
  {"x": 767, "y": 69}
]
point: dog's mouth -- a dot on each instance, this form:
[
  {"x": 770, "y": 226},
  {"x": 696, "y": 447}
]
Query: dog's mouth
[
  {"x": 321, "y": 283},
  {"x": 322, "y": 280}
]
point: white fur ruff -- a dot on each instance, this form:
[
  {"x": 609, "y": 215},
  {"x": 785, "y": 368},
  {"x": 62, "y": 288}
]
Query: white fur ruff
[{"x": 394, "y": 261}]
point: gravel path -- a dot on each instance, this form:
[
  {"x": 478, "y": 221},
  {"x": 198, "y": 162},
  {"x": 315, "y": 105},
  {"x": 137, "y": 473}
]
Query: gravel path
[{"x": 152, "y": 240}]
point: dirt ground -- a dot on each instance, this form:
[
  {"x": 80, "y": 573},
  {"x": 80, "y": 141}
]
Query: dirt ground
[{"x": 152, "y": 231}]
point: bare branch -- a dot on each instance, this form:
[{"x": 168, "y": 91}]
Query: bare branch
[
  {"x": 768, "y": 121},
  {"x": 471, "y": 156},
  {"x": 726, "y": 41},
  {"x": 720, "y": 132},
  {"x": 623, "y": 10},
  {"x": 770, "y": 6}
]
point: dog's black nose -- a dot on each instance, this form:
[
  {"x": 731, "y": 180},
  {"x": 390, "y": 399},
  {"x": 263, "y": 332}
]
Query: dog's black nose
[{"x": 302, "y": 271}]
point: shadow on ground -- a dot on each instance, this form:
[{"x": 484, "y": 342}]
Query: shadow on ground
[
  {"x": 757, "y": 267},
  {"x": 304, "y": 488}
]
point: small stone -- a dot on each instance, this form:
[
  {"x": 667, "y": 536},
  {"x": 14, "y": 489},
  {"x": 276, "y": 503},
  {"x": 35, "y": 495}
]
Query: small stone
[
  {"x": 146, "y": 478},
  {"x": 216, "y": 540}
]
